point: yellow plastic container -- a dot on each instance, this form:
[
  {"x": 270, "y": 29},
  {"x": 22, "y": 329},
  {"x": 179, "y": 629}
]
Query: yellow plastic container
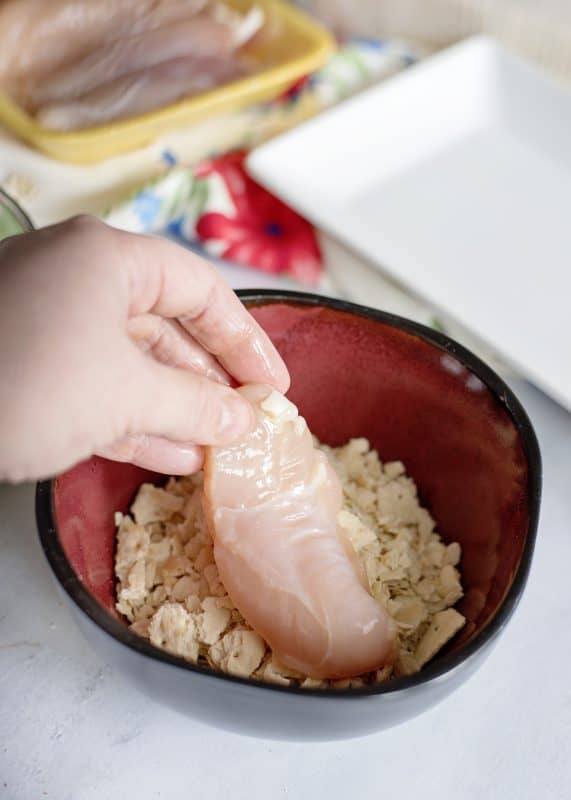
[{"x": 291, "y": 46}]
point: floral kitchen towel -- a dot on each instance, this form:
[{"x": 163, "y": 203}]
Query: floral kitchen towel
[{"x": 219, "y": 208}]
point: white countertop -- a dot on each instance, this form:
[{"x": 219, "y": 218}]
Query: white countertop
[{"x": 71, "y": 729}]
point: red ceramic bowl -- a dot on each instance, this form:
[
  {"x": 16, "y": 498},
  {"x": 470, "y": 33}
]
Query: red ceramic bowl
[{"x": 418, "y": 397}]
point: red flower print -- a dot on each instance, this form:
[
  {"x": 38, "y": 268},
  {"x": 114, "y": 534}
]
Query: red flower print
[
  {"x": 294, "y": 90},
  {"x": 263, "y": 232}
]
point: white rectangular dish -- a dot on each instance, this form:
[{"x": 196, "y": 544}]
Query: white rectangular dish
[{"x": 455, "y": 178}]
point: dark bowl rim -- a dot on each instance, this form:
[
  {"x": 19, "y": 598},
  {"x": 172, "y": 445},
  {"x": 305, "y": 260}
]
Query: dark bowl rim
[{"x": 433, "y": 671}]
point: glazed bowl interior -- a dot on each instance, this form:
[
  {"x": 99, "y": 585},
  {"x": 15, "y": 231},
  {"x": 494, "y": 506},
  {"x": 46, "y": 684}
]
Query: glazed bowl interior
[{"x": 418, "y": 398}]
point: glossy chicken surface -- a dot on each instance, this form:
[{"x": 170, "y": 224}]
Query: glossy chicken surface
[{"x": 272, "y": 502}]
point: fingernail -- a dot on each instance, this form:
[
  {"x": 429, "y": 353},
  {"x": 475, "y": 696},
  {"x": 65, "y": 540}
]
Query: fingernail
[
  {"x": 184, "y": 460},
  {"x": 276, "y": 370},
  {"x": 282, "y": 378},
  {"x": 235, "y": 420}
]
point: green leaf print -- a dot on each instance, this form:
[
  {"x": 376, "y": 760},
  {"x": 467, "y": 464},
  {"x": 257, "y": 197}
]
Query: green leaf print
[
  {"x": 177, "y": 204},
  {"x": 199, "y": 196}
]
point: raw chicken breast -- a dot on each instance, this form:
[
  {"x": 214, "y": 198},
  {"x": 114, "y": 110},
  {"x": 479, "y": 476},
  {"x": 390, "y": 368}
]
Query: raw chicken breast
[
  {"x": 141, "y": 92},
  {"x": 209, "y": 35},
  {"x": 38, "y": 36},
  {"x": 272, "y": 502}
]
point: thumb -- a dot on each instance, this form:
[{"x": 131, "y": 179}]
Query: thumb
[{"x": 185, "y": 407}]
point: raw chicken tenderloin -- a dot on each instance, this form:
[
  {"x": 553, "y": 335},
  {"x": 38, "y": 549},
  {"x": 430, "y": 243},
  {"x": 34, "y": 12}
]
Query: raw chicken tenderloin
[
  {"x": 141, "y": 92},
  {"x": 37, "y": 36},
  {"x": 203, "y": 35},
  {"x": 272, "y": 502}
]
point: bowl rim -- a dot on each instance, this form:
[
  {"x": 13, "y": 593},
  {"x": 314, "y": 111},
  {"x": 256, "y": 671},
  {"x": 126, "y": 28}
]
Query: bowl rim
[
  {"x": 8, "y": 202},
  {"x": 433, "y": 671}
]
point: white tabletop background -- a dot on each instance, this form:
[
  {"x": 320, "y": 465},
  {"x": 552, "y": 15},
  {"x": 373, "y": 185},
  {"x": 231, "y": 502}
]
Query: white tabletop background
[{"x": 72, "y": 729}]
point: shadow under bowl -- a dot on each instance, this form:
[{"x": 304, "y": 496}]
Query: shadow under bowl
[{"x": 419, "y": 398}]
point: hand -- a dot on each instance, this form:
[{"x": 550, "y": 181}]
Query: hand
[{"x": 120, "y": 345}]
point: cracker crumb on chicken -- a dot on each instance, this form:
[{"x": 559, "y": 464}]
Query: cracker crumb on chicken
[{"x": 169, "y": 589}]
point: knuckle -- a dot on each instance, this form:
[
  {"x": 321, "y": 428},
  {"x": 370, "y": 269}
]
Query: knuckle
[
  {"x": 83, "y": 223},
  {"x": 245, "y": 332},
  {"x": 208, "y": 296},
  {"x": 159, "y": 339},
  {"x": 207, "y": 409}
]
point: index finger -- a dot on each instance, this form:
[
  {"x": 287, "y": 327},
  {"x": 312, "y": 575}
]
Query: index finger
[{"x": 168, "y": 280}]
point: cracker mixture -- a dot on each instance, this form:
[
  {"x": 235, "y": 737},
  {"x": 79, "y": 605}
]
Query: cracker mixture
[{"x": 169, "y": 590}]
